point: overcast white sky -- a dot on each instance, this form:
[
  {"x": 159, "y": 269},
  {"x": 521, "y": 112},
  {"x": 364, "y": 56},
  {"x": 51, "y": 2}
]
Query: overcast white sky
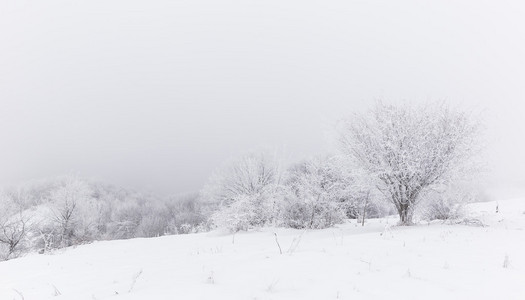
[{"x": 157, "y": 94}]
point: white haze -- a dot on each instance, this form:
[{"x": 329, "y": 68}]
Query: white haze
[{"x": 157, "y": 94}]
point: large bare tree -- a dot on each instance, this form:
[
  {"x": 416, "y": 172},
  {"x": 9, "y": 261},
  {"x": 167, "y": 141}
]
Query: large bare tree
[{"x": 410, "y": 149}]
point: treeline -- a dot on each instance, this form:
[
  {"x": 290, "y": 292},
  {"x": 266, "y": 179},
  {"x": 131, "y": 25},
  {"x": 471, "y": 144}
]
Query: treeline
[
  {"x": 58, "y": 213},
  {"x": 411, "y": 160},
  {"x": 412, "y": 157},
  {"x": 257, "y": 190},
  {"x": 252, "y": 191}
]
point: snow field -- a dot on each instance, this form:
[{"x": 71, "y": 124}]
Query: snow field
[{"x": 377, "y": 261}]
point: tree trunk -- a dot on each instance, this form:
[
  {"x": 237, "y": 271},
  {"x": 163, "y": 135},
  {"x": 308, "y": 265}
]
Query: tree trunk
[
  {"x": 405, "y": 215},
  {"x": 364, "y": 208},
  {"x": 313, "y": 212}
]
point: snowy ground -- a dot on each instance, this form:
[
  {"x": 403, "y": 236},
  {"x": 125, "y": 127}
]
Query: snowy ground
[{"x": 433, "y": 261}]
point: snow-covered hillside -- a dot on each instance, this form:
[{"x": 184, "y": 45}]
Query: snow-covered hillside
[{"x": 378, "y": 261}]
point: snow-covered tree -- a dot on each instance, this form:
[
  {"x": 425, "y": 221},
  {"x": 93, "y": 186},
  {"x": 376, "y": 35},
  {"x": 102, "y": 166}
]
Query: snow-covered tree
[
  {"x": 322, "y": 193},
  {"x": 252, "y": 180},
  {"x": 13, "y": 228},
  {"x": 409, "y": 150},
  {"x": 72, "y": 211},
  {"x": 240, "y": 214},
  {"x": 12, "y": 234}
]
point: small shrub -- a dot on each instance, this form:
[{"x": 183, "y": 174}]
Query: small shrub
[
  {"x": 306, "y": 214},
  {"x": 449, "y": 205},
  {"x": 152, "y": 226},
  {"x": 240, "y": 215}
]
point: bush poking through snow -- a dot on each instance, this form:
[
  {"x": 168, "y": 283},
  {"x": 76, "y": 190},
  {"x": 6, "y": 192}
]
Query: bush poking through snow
[
  {"x": 134, "y": 279},
  {"x": 447, "y": 205},
  {"x": 278, "y": 244}
]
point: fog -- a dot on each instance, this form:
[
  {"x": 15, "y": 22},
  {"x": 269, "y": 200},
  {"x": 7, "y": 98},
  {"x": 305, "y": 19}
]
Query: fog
[{"x": 158, "y": 94}]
